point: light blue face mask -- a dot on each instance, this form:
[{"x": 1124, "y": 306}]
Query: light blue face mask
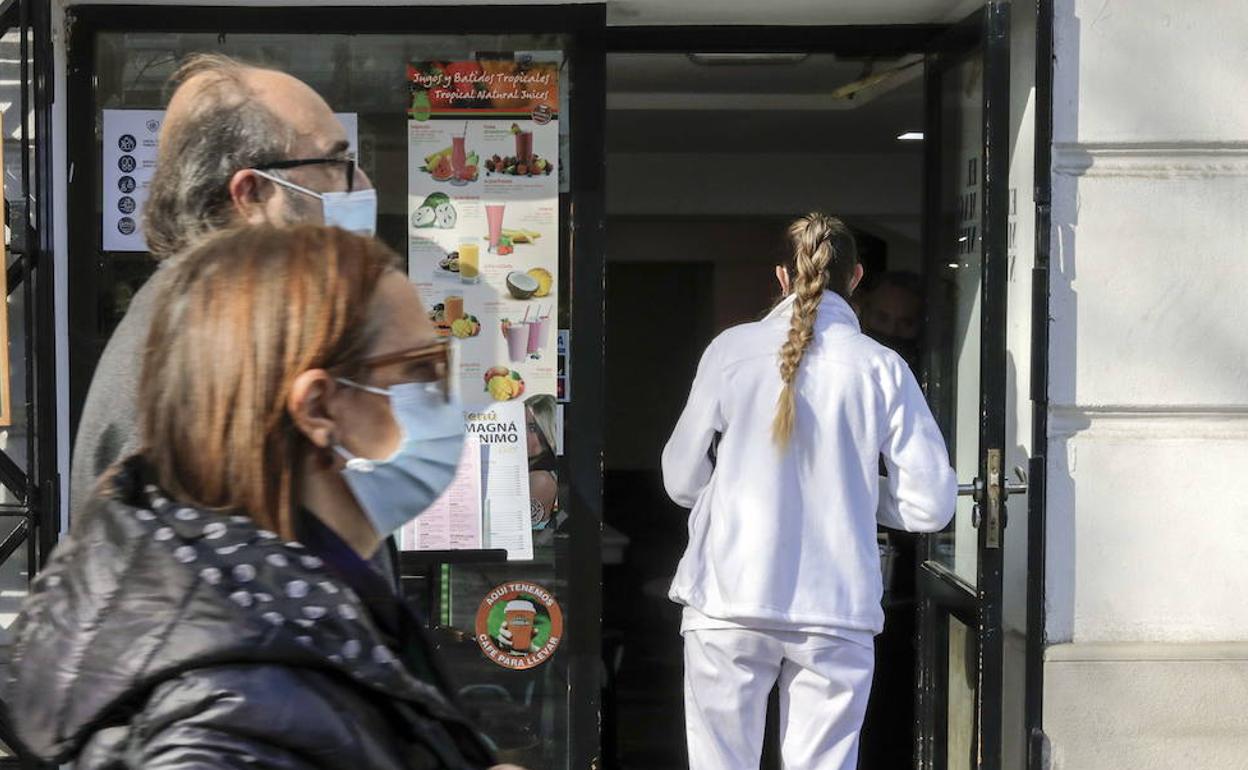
[
  {"x": 355, "y": 211},
  {"x": 396, "y": 490}
]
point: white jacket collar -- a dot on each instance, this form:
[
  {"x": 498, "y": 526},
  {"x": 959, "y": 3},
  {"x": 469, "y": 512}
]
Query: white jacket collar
[{"x": 833, "y": 309}]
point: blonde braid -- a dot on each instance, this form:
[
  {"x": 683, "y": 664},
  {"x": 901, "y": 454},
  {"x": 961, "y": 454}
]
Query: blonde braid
[{"x": 813, "y": 252}]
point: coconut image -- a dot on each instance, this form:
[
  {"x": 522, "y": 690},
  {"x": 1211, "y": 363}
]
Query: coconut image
[{"x": 521, "y": 285}]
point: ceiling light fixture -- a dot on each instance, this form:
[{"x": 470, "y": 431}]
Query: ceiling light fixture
[{"x": 911, "y": 136}]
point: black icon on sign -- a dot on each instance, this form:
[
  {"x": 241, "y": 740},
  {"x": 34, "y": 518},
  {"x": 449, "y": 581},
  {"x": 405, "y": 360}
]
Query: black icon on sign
[
  {"x": 153, "y": 125},
  {"x": 126, "y": 205},
  {"x": 125, "y": 226},
  {"x": 126, "y": 143},
  {"x": 126, "y": 163},
  {"x": 126, "y": 184}
]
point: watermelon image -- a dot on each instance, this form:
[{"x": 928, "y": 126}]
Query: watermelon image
[{"x": 443, "y": 172}]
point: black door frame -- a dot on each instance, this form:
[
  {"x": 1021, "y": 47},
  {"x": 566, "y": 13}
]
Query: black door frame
[
  {"x": 582, "y": 208},
  {"x": 942, "y": 593},
  {"x": 958, "y": 598},
  {"x": 30, "y": 216}
]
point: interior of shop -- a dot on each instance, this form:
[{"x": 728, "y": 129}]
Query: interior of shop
[{"x": 708, "y": 159}]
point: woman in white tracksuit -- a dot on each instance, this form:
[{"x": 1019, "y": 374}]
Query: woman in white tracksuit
[{"x": 777, "y": 453}]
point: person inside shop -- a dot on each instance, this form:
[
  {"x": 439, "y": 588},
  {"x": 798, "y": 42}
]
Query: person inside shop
[
  {"x": 892, "y": 313},
  {"x": 213, "y": 606},
  {"x": 239, "y": 144},
  {"x": 539, "y": 412},
  {"x": 781, "y": 580}
]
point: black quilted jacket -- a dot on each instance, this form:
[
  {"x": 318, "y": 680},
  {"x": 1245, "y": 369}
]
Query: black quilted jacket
[{"x": 166, "y": 637}]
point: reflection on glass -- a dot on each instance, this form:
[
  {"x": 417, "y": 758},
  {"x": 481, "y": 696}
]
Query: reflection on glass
[
  {"x": 958, "y": 300},
  {"x": 14, "y": 577},
  {"x": 524, "y": 712}
]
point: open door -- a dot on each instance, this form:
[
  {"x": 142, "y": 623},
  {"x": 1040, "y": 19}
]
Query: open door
[{"x": 959, "y": 694}]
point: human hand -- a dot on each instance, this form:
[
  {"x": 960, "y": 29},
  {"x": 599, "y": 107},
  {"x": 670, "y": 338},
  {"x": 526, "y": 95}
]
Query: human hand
[
  {"x": 504, "y": 636},
  {"x": 506, "y": 767}
]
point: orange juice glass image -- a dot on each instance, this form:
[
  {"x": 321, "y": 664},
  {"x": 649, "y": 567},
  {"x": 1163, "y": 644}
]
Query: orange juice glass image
[
  {"x": 521, "y": 615},
  {"x": 469, "y": 262},
  {"x": 454, "y": 308}
]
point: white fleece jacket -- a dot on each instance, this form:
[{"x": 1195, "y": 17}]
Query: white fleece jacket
[{"x": 787, "y": 538}]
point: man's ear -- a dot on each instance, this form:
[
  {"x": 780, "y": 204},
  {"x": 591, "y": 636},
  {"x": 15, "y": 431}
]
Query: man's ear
[
  {"x": 308, "y": 406},
  {"x": 250, "y": 192}
]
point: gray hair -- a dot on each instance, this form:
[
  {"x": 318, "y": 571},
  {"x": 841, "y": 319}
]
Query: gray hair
[{"x": 225, "y": 129}]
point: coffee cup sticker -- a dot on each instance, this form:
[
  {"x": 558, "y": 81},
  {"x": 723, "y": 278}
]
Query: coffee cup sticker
[{"x": 519, "y": 625}]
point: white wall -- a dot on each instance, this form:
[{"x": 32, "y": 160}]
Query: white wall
[{"x": 1148, "y": 500}]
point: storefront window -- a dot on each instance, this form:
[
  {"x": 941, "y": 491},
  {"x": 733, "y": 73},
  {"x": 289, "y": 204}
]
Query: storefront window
[{"x": 504, "y": 171}]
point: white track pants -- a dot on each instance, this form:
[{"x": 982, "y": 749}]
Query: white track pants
[{"x": 824, "y": 686}]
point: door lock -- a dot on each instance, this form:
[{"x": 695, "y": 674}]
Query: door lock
[{"x": 1019, "y": 488}]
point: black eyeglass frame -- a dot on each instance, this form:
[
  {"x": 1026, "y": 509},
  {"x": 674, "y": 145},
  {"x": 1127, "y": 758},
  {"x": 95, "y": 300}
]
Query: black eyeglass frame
[{"x": 279, "y": 165}]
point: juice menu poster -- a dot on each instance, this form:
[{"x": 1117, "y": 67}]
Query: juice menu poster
[
  {"x": 487, "y": 505},
  {"x": 483, "y": 218}
]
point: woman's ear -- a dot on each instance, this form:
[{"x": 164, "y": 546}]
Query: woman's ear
[
  {"x": 308, "y": 406},
  {"x": 782, "y": 278},
  {"x": 857, "y": 278}
]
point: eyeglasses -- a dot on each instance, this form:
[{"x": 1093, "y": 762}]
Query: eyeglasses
[
  {"x": 347, "y": 163},
  {"x": 425, "y": 364}
]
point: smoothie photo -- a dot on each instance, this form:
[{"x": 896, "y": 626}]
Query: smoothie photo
[
  {"x": 537, "y": 335},
  {"x": 459, "y": 159},
  {"x": 454, "y": 308},
  {"x": 469, "y": 262},
  {"x": 524, "y": 147},
  {"x": 494, "y": 216},
  {"x": 517, "y": 335}
]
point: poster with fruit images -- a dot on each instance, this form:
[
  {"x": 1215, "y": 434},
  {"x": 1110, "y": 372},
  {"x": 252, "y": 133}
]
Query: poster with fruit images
[
  {"x": 483, "y": 250},
  {"x": 483, "y": 217}
]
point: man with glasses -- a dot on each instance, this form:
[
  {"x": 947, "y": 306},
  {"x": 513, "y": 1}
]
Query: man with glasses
[{"x": 239, "y": 144}]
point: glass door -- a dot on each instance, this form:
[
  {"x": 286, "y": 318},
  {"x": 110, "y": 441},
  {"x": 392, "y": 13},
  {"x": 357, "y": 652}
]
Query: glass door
[
  {"x": 511, "y": 185},
  {"x": 959, "y": 695}
]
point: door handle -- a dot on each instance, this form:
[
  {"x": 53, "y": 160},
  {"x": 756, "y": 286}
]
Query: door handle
[
  {"x": 975, "y": 489},
  {"x": 996, "y": 497}
]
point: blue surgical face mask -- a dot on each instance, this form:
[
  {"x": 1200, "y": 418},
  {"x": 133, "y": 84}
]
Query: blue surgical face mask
[
  {"x": 355, "y": 211},
  {"x": 399, "y": 488}
]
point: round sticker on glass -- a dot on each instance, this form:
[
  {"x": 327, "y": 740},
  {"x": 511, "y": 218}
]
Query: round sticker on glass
[{"x": 519, "y": 625}]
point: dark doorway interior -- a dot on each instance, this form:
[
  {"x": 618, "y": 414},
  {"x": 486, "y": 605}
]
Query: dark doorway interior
[{"x": 700, "y": 190}]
